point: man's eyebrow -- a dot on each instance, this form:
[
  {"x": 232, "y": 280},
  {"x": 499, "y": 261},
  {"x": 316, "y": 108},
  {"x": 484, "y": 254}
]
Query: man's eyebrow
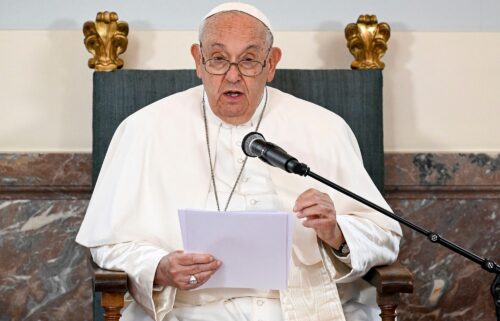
[
  {"x": 249, "y": 47},
  {"x": 257, "y": 47},
  {"x": 217, "y": 45}
]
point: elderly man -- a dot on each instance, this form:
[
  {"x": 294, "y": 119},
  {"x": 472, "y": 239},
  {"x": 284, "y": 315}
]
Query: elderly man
[{"x": 132, "y": 225}]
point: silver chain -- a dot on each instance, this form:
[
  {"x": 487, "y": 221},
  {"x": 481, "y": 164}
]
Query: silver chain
[{"x": 210, "y": 154}]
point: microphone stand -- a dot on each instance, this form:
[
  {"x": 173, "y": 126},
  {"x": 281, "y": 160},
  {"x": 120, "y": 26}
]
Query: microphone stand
[
  {"x": 488, "y": 265},
  {"x": 254, "y": 145}
]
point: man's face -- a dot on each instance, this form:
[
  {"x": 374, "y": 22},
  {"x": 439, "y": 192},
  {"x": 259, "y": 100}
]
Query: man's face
[{"x": 235, "y": 36}]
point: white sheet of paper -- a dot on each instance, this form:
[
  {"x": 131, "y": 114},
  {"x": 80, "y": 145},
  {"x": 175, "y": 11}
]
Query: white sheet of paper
[{"x": 254, "y": 247}]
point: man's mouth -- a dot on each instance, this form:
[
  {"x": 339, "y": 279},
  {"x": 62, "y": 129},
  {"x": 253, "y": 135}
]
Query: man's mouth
[{"x": 233, "y": 93}]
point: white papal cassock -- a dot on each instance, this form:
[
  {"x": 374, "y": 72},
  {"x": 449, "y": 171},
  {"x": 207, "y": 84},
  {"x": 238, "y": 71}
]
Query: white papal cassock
[{"x": 157, "y": 163}]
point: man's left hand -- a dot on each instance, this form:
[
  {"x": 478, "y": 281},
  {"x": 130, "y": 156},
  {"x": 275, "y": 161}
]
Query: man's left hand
[{"x": 319, "y": 212}]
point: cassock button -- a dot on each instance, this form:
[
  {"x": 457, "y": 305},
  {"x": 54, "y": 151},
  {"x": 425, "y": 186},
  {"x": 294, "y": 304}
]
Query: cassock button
[
  {"x": 260, "y": 302},
  {"x": 245, "y": 179},
  {"x": 240, "y": 160},
  {"x": 253, "y": 202}
]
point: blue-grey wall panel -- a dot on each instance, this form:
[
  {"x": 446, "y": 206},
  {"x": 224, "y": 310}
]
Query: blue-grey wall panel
[{"x": 332, "y": 15}]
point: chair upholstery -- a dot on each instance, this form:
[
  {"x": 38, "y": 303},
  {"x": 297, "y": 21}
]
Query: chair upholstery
[{"x": 355, "y": 95}]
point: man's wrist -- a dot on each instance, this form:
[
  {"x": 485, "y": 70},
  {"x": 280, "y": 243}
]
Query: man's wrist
[
  {"x": 338, "y": 239},
  {"x": 343, "y": 250},
  {"x": 160, "y": 278}
]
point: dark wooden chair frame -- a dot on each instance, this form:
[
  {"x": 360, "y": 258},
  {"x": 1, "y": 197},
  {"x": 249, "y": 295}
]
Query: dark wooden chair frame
[{"x": 390, "y": 281}]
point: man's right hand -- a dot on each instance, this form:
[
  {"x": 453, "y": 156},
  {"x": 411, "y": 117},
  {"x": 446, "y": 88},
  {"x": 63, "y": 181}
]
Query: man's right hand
[{"x": 176, "y": 268}]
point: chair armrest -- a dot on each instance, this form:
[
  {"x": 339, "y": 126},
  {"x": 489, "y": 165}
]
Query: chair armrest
[
  {"x": 109, "y": 281},
  {"x": 390, "y": 279},
  {"x": 113, "y": 285}
]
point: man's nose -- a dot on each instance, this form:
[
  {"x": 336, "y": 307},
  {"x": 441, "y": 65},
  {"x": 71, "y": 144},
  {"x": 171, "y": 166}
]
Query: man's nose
[{"x": 233, "y": 74}]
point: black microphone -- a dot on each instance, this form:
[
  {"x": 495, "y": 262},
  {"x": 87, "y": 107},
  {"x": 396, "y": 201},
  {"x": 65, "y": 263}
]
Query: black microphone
[{"x": 255, "y": 145}]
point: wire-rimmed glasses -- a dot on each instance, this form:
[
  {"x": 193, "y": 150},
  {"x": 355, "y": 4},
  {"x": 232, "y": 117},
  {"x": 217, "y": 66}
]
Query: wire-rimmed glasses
[{"x": 246, "y": 67}]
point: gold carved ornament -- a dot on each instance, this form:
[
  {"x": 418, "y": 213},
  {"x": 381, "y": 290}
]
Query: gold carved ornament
[
  {"x": 106, "y": 39},
  {"x": 367, "y": 42}
]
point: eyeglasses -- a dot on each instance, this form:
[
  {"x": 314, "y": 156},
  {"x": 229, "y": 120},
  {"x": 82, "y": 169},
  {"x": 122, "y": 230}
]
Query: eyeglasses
[{"x": 246, "y": 67}]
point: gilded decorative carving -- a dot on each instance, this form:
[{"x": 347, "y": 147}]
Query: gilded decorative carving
[
  {"x": 367, "y": 42},
  {"x": 106, "y": 39}
]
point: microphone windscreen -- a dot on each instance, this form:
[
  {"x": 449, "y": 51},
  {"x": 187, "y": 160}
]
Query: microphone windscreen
[{"x": 246, "y": 144}]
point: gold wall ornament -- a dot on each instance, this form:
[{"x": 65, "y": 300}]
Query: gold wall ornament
[
  {"x": 367, "y": 42},
  {"x": 106, "y": 39}
]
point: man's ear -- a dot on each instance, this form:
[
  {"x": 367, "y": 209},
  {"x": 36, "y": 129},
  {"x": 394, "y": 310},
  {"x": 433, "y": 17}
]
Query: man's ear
[
  {"x": 196, "y": 53},
  {"x": 274, "y": 58}
]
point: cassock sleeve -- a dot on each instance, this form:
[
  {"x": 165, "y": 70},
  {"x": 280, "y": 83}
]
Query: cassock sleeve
[
  {"x": 370, "y": 244},
  {"x": 139, "y": 260}
]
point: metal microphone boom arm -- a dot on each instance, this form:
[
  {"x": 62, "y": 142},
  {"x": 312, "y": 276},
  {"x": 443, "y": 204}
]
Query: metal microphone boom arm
[{"x": 262, "y": 148}]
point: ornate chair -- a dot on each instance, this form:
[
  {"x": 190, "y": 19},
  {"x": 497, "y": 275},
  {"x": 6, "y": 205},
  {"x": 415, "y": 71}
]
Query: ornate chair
[{"x": 356, "y": 95}]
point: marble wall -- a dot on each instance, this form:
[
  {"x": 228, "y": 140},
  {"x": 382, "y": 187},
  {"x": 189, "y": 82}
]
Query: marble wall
[
  {"x": 44, "y": 274},
  {"x": 458, "y": 196}
]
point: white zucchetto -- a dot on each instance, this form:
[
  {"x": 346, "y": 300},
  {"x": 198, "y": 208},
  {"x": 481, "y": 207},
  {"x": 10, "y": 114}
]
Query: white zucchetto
[{"x": 241, "y": 7}]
